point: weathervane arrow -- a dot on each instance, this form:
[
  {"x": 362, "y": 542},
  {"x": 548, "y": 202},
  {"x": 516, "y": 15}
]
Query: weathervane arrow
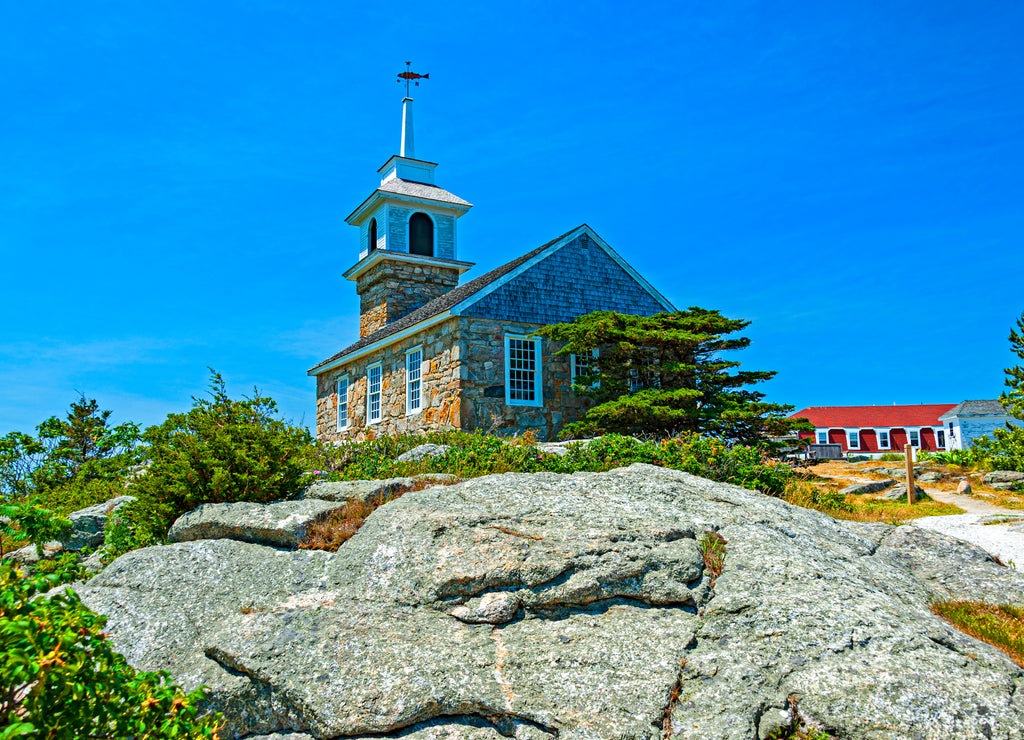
[{"x": 409, "y": 76}]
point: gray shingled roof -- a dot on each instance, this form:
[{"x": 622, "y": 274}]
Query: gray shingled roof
[
  {"x": 440, "y": 304},
  {"x": 420, "y": 190},
  {"x": 976, "y": 408}
]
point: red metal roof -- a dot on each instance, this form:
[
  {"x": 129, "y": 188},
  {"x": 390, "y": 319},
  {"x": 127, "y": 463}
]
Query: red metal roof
[{"x": 866, "y": 417}]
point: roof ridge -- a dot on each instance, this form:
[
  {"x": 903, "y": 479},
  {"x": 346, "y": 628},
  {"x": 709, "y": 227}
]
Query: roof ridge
[{"x": 442, "y": 303}]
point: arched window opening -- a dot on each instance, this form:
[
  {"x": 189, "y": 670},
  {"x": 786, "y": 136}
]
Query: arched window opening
[
  {"x": 421, "y": 235},
  {"x": 373, "y": 234}
]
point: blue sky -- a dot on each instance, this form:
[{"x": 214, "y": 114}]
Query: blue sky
[{"x": 174, "y": 179}]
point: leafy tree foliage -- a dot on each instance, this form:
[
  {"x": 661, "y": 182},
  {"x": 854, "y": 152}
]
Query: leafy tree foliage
[
  {"x": 1006, "y": 451},
  {"x": 61, "y": 678},
  {"x": 27, "y": 522},
  {"x": 666, "y": 374},
  {"x": 70, "y": 454}
]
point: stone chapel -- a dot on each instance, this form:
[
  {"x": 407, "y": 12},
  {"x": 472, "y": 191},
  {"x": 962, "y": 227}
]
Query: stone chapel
[{"x": 434, "y": 354}]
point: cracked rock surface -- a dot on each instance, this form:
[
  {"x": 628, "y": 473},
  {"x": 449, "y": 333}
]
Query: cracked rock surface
[{"x": 575, "y": 606}]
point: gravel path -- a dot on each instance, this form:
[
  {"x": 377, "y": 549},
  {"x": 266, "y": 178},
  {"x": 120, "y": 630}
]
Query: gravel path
[{"x": 1004, "y": 540}]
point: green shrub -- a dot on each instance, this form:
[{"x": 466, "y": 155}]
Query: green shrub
[
  {"x": 139, "y": 523},
  {"x": 60, "y": 677},
  {"x": 221, "y": 450},
  {"x": 26, "y": 522},
  {"x": 67, "y": 568},
  {"x": 891, "y": 457},
  {"x": 77, "y": 493},
  {"x": 473, "y": 454}
]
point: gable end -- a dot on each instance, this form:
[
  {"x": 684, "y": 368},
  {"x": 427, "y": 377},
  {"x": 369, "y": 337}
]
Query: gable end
[{"x": 578, "y": 277}]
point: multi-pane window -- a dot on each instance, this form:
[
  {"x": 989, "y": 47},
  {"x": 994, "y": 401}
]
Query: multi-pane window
[
  {"x": 522, "y": 371},
  {"x": 940, "y": 439},
  {"x": 883, "y": 439},
  {"x": 822, "y": 435},
  {"x": 373, "y": 394},
  {"x": 853, "y": 439},
  {"x": 915, "y": 437},
  {"x": 645, "y": 373},
  {"x": 582, "y": 364},
  {"x": 342, "y": 402},
  {"x": 413, "y": 390}
]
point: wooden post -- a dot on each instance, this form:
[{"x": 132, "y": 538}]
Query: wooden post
[{"x": 908, "y": 451}]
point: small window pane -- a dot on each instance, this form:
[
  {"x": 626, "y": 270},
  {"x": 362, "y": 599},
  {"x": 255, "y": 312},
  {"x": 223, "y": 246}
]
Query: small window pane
[
  {"x": 854, "y": 440},
  {"x": 883, "y": 440},
  {"x": 373, "y": 393},
  {"x": 343, "y": 403},
  {"x": 940, "y": 439},
  {"x": 915, "y": 439},
  {"x": 413, "y": 397},
  {"x": 822, "y": 438}
]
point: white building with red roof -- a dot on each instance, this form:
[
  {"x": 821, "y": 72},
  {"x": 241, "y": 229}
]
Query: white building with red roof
[{"x": 875, "y": 430}]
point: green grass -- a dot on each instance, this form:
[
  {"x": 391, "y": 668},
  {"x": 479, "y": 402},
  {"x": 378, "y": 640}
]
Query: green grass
[{"x": 1000, "y": 625}]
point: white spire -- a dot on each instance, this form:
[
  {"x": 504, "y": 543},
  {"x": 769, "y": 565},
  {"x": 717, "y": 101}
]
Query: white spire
[{"x": 408, "y": 145}]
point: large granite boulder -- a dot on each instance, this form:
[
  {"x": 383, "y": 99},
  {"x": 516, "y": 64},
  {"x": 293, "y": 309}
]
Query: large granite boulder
[
  {"x": 576, "y": 606},
  {"x": 278, "y": 524},
  {"x": 356, "y": 490}
]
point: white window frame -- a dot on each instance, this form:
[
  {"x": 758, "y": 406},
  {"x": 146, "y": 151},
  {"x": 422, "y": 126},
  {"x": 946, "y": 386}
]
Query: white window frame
[
  {"x": 370, "y": 394},
  {"x": 937, "y": 431},
  {"x": 574, "y": 369},
  {"x": 413, "y": 369},
  {"x": 888, "y": 438},
  {"x": 339, "y": 403},
  {"x": 818, "y": 433},
  {"x": 850, "y": 433},
  {"x": 538, "y": 374},
  {"x": 910, "y": 440}
]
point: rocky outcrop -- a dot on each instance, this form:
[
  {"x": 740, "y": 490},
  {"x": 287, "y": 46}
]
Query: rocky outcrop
[
  {"x": 899, "y": 493},
  {"x": 576, "y": 606},
  {"x": 356, "y": 490},
  {"x": 1004, "y": 480},
  {"x": 423, "y": 452},
  {"x": 870, "y": 487},
  {"x": 86, "y": 530},
  {"x": 279, "y": 524}
]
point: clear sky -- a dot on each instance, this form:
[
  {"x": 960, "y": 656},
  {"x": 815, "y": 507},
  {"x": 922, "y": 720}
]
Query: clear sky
[{"x": 174, "y": 178}]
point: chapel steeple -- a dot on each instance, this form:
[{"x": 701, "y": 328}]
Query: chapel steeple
[{"x": 407, "y": 234}]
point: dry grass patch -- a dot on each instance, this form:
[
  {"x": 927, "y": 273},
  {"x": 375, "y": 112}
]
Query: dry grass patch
[
  {"x": 861, "y": 507},
  {"x": 1000, "y": 625},
  {"x": 333, "y": 529},
  {"x": 712, "y": 547}
]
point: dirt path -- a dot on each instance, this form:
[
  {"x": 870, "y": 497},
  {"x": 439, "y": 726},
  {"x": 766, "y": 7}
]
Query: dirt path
[{"x": 1003, "y": 540}]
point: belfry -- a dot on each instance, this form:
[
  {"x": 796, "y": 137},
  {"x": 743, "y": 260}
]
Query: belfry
[{"x": 408, "y": 252}]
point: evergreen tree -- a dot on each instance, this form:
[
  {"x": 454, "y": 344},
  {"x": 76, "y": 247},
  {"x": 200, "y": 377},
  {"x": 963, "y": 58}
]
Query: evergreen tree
[
  {"x": 1006, "y": 451},
  {"x": 84, "y": 446},
  {"x": 665, "y": 374}
]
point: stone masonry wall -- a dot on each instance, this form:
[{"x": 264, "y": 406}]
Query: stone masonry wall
[
  {"x": 439, "y": 388},
  {"x": 463, "y": 385},
  {"x": 482, "y": 374},
  {"x": 392, "y": 289}
]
